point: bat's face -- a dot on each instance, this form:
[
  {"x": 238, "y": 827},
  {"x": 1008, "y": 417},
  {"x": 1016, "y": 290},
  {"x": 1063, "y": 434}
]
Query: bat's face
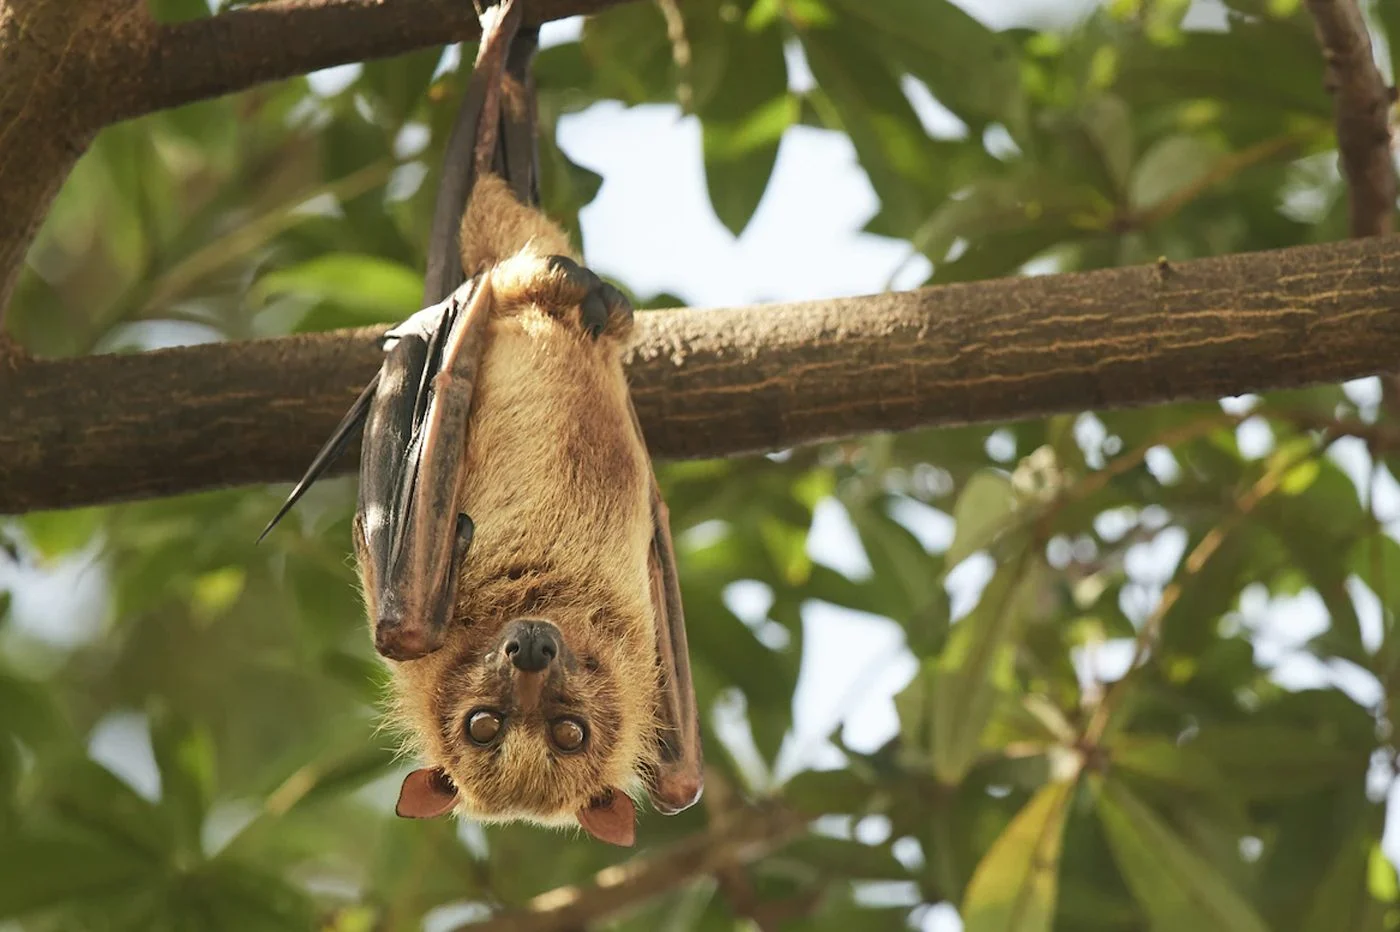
[{"x": 549, "y": 718}]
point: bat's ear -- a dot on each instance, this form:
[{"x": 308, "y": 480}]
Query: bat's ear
[
  {"x": 611, "y": 818},
  {"x": 426, "y": 793}
]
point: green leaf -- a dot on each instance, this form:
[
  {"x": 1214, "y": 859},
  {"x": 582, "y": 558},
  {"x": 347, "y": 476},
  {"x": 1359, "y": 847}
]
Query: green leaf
[
  {"x": 743, "y": 122},
  {"x": 55, "y": 533},
  {"x": 1261, "y": 760},
  {"x": 1170, "y": 165},
  {"x": 42, "y": 872},
  {"x": 860, "y": 95},
  {"x": 630, "y": 54},
  {"x": 1176, "y": 886},
  {"x": 828, "y": 791},
  {"x": 909, "y": 576},
  {"x": 184, "y": 753},
  {"x": 1162, "y": 759},
  {"x": 1014, "y": 886},
  {"x": 1108, "y": 123},
  {"x": 936, "y": 41},
  {"x": 87, "y": 796},
  {"x": 853, "y": 860},
  {"x": 983, "y": 510},
  {"x": 363, "y": 289},
  {"x": 1340, "y": 900},
  {"x": 951, "y": 701}
]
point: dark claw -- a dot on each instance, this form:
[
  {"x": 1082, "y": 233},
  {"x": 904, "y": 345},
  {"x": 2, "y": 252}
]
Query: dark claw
[
  {"x": 577, "y": 275},
  {"x": 593, "y": 312},
  {"x": 616, "y": 301},
  {"x": 602, "y": 300}
]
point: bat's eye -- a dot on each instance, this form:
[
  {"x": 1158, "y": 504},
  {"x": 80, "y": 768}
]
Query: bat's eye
[
  {"x": 483, "y": 726},
  {"x": 568, "y": 734}
]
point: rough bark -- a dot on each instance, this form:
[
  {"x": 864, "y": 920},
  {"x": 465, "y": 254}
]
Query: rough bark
[
  {"x": 70, "y": 67},
  {"x": 178, "y": 63},
  {"x": 722, "y": 382},
  {"x": 46, "y": 118},
  {"x": 1362, "y": 102}
]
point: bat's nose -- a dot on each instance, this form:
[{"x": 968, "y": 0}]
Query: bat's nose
[{"x": 532, "y": 645}]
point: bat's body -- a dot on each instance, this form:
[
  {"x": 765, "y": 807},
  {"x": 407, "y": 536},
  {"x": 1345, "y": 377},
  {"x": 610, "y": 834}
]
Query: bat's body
[
  {"x": 559, "y": 485},
  {"x": 513, "y": 547}
]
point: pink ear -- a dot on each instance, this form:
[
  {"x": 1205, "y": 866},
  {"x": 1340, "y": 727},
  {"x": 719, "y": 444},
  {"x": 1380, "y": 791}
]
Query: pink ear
[
  {"x": 426, "y": 794},
  {"x": 611, "y": 818}
]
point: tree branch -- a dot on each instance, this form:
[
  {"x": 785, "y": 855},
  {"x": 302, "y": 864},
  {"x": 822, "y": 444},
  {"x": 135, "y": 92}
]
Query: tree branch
[
  {"x": 175, "y": 64},
  {"x": 70, "y": 67},
  {"x": 1363, "y": 107},
  {"x": 722, "y": 382},
  {"x": 740, "y": 838}
]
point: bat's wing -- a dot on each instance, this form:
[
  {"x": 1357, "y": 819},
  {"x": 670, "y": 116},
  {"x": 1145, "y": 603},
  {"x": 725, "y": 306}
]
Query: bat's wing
[
  {"x": 330, "y": 452},
  {"x": 679, "y": 777},
  {"x": 411, "y": 536}
]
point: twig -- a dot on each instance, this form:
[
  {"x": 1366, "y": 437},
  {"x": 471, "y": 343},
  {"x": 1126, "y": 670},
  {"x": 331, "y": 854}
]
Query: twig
[
  {"x": 1363, "y": 106},
  {"x": 1196, "y": 561},
  {"x": 742, "y": 837}
]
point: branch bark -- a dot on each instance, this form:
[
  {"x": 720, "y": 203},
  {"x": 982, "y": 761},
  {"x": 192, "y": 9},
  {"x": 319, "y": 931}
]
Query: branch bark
[
  {"x": 70, "y": 67},
  {"x": 743, "y": 837},
  {"x": 723, "y": 382},
  {"x": 1362, "y": 102},
  {"x": 175, "y": 64}
]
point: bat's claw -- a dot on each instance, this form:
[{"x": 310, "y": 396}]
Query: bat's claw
[{"x": 599, "y": 303}]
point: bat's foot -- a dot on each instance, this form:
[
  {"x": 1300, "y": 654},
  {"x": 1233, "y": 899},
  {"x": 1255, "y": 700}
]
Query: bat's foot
[
  {"x": 598, "y": 303},
  {"x": 560, "y": 285}
]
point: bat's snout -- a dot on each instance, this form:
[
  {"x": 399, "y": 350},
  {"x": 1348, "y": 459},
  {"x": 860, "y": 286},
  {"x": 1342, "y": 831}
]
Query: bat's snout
[{"x": 532, "y": 645}]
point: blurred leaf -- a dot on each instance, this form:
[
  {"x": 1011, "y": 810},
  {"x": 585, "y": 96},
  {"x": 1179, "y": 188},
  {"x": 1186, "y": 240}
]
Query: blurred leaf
[
  {"x": 828, "y": 791},
  {"x": 948, "y": 705},
  {"x": 1170, "y": 166},
  {"x": 185, "y": 755},
  {"x": 862, "y": 97},
  {"x": 743, "y": 122},
  {"x": 1177, "y": 888},
  {"x": 42, "y": 872},
  {"x": 55, "y": 533},
  {"x": 362, "y": 289},
  {"x": 941, "y": 45},
  {"x": 89, "y": 797},
  {"x": 1014, "y": 886},
  {"x": 983, "y": 511}
]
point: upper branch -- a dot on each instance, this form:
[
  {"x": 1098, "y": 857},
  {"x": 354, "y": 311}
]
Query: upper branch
[
  {"x": 174, "y": 64},
  {"x": 70, "y": 67},
  {"x": 1363, "y": 107},
  {"x": 720, "y": 382}
]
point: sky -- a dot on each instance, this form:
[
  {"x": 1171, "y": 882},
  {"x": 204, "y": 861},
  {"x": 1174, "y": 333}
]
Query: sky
[{"x": 651, "y": 227}]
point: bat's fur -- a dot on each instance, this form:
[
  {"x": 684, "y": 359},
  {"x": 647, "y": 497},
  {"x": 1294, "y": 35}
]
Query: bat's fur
[{"x": 559, "y": 483}]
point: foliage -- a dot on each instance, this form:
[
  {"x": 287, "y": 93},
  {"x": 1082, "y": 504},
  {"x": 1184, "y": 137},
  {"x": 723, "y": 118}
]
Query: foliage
[{"x": 1194, "y": 790}]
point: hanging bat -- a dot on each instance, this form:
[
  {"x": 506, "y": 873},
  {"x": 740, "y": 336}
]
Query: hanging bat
[{"x": 512, "y": 543}]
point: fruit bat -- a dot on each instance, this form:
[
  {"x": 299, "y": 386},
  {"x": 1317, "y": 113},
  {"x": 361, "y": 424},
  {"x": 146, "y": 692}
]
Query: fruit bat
[{"x": 511, "y": 541}]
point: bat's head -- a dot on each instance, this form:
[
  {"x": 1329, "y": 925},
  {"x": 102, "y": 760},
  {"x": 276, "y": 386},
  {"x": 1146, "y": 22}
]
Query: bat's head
[{"x": 548, "y": 719}]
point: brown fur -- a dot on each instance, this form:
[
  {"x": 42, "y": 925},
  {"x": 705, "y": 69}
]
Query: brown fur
[{"x": 558, "y": 484}]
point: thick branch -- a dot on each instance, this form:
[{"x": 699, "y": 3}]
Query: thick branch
[
  {"x": 722, "y": 382},
  {"x": 1363, "y": 106},
  {"x": 70, "y": 67},
  {"x": 739, "y": 839},
  {"x": 45, "y": 123},
  {"x": 179, "y": 63}
]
